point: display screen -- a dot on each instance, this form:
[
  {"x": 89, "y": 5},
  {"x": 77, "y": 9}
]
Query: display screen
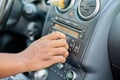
[{"x": 66, "y": 30}]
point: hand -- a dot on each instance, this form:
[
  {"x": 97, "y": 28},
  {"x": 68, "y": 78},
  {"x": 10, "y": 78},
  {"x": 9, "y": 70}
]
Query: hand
[{"x": 46, "y": 51}]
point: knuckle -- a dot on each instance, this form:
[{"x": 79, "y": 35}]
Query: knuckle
[
  {"x": 63, "y": 41},
  {"x": 60, "y": 34},
  {"x": 67, "y": 53},
  {"x": 64, "y": 35},
  {"x": 66, "y": 42},
  {"x": 63, "y": 49},
  {"x": 60, "y": 59},
  {"x": 48, "y": 44},
  {"x": 63, "y": 60},
  {"x": 67, "y": 46},
  {"x": 56, "y": 32}
]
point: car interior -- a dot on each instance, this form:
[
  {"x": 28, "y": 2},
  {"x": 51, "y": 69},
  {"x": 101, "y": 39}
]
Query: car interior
[{"x": 92, "y": 28}]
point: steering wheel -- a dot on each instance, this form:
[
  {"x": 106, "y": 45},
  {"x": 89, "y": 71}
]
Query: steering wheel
[{"x": 5, "y": 10}]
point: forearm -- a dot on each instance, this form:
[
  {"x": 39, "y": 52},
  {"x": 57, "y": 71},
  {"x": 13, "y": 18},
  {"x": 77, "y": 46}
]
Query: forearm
[{"x": 11, "y": 64}]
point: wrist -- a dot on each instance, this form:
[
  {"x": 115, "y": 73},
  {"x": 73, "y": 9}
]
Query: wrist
[{"x": 24, "y": 61}]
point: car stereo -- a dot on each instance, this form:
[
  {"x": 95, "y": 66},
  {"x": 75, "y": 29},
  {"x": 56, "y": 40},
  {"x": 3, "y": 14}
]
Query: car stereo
[
  {"x": 87, "y": 58},
  {"x": 66, "y": 71},
  {"x": 70, "y": 70},
  {"x": 74, "y": 36},
  {"x": 77, "y": 35}
]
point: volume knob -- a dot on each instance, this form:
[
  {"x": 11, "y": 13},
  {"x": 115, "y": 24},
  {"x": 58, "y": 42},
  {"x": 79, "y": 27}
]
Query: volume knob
[
  {"x": 41, "y": 75},
  {"x": 71, "y": 75}
]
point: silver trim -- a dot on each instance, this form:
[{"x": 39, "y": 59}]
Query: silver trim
[
  {"x": 2, "y": 6},
  {"x": 93, "y": 14},
  {"x": 74, "y": 75},
  {"x": 70, "y": 6},
  {"x": 41, "y": 74}
]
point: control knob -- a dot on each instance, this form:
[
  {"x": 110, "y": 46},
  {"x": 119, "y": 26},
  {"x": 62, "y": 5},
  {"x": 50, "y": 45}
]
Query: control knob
[
  {"x": 41, "y": 75},
  {"x": 71, "y": 75}
]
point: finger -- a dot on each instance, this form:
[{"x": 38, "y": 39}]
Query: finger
[
  {"x": 55, "y": 35},
  {"x": 60, "y": 51},
  {"x": 58, "y": 59},
  {"x": 59, "y": 43}
]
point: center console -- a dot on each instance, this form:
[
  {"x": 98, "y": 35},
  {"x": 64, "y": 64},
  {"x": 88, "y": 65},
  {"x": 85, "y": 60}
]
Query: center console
[
  {"x": 77, "y": 20},
  {"x": 76, "y": 23}
]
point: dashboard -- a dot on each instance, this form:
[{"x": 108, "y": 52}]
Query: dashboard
[
  {"x": 92, "y": 30},
  {"x": 78, "y": 21}
]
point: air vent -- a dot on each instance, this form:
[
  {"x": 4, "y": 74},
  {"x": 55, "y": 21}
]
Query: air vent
[
  {"x": 68, "y": 4},
  {"x": 87, "y": 9}
]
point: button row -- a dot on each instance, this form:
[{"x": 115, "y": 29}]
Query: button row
[
  {"x": 62, "y": 72},
  {"x": 74, "y": 46}
]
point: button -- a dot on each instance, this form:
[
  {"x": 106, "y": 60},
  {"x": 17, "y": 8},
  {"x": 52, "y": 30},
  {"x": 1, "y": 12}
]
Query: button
[
  {"x": 60, "y": 65},
  {"x": 56, "y": 18},
  {"x": 83, "y": 30},
  {"x": 70, "y": 49},
  {"x": 76, "y": 47},
  {"x": 74, "y": 24},
  {"x": 81, "y": 35},
  {"x": 58, "y": 73},
  {"x": 68, "y": 40},
  {"x": 61, "y": 75},
  {"x": 71, "y": 13},
  {"x": 70, "y": 43}
]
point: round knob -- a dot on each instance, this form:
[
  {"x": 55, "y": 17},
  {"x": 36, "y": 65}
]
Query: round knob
[
  {"x": 71, "y": 75},
  {"x": 29, "y": 10},
  {"x": 41, "y": 75},
  {"x": 60, "y": 65}
]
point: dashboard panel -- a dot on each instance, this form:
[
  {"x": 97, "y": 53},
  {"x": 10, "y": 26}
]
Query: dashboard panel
[
  {"x": 92, "y": 30},
  {"x": 81, "y": 22}
]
